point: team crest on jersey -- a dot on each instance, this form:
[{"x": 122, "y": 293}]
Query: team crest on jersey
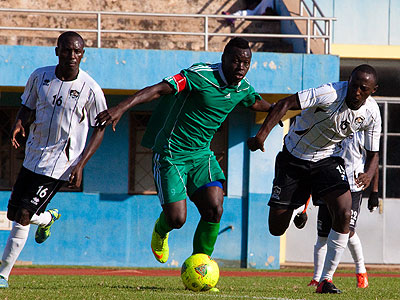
[
  {"x": 344, "y": 125},
  {"x": 74, "y": 94},
  {"x": 46, "y": 82},
  {"x": 359, "y": 120}
]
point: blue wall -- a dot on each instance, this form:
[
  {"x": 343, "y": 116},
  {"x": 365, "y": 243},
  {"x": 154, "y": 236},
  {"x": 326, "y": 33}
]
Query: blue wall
[
  {"x": 104, "y": 225},
  {"x": 364, "y": 22}
]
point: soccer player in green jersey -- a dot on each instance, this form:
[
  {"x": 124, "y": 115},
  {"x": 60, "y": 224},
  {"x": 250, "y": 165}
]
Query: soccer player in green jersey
[{"x": 194, "y": 104}]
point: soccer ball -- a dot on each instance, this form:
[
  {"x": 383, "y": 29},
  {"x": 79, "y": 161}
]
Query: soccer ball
[{"x": 199, "y": 272}]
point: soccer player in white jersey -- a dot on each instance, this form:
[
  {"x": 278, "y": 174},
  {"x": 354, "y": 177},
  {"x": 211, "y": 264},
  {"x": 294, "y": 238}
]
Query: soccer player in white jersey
[
  {"x": 58, "y": 106},
  {"x": 354, "y": 156},
  {"x": 310, "y": 163}
]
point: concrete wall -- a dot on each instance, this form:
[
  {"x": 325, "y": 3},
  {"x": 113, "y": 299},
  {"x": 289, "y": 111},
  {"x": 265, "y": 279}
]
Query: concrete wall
[{"x": 103, "y": 225}]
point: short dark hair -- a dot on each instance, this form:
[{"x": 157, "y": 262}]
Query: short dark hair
[
  {"x": 237, "y": 42},
  {"x": 366, "y": 69},
  {"x": 69, "y": 34}
]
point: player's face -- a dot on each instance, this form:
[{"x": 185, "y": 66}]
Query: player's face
[
  {"x": 235, "y": 64},
  {"x": 361, "y": 86},
  {"x": 70, "y": 52}
]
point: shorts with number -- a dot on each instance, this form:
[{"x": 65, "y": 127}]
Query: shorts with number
[
  {"x": 177, "y": 178},
  {"x": 296, "y": 179},
  {"x": 33, "y": 191},
  {"x": 324, "y": 222}
]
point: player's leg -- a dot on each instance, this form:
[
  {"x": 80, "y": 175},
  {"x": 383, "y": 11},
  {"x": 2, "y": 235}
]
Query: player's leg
[
  {"x": 300, "y": 219},
  {"x": 170, "y": 181},
  {"x": 206, "y": 191},
  {"x": 24, "y": 202},
  {"x": 291, "y": 189},
  {"x": 354, "y": 244},
  {"x": 209, "y": 201},
  {"x": 330, "y": 184},
  {"x": 324, "y": 224}
]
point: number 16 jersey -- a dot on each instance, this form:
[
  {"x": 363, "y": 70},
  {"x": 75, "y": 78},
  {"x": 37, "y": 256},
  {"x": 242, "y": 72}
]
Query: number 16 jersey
[{"x": 64, "y": 112}]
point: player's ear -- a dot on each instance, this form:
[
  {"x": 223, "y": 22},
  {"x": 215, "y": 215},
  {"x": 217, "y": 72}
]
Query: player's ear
[
  {"x": 56, "y": 50},
  {"x": 375, "y": 89}
]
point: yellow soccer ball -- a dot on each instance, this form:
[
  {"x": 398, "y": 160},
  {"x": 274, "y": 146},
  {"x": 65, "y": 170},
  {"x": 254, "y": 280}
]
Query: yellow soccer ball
[{"x": 200, "y": 272}]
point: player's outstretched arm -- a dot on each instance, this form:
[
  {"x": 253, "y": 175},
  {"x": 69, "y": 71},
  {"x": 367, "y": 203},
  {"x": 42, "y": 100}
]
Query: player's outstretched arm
[
  {"x": 24, "y": 119},
  {"x": 274, "y": 116},
  {"x": 75, "y": 179},
  {"x": 148, "y": 94},
  {"x": 371, "y": 164}
]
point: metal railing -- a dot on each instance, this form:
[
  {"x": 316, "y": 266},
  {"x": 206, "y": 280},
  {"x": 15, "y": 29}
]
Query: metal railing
[
  {"x": 206, "y": 34},
  {"x": 316, "y": 11}
]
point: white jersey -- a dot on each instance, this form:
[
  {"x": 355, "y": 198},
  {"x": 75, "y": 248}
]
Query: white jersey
[
  {"x": 64, "y": 111},
  {"x": 326, "y": 120},
  {"x": 354, "y": 155}
]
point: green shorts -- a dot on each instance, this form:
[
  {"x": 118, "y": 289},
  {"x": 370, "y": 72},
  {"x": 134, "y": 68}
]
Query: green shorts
[{"x": 177, "y": 178}]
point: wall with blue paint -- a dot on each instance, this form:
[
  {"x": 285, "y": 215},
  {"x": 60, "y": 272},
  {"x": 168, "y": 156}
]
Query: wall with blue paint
[
  {"x": 364, "y": 22},
  {"x": 105, "y": 226}
]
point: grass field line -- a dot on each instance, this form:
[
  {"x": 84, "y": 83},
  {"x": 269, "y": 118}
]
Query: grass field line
[{"x": 217, "y": 295}]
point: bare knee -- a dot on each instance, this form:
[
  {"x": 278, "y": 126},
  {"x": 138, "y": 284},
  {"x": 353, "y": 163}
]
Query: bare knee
[
  {"x": 279, "y": 220},
  {"x": 176, "y": 221},
  {"x": 277, "y": 231}
]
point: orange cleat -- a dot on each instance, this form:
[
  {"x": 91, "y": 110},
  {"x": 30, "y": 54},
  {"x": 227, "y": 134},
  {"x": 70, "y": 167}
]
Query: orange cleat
[{"x": 362, "y": 280}]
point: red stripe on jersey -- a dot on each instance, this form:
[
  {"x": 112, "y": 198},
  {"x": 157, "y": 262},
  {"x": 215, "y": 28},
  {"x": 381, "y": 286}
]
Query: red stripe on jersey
[{"x": 180, "y": 82}]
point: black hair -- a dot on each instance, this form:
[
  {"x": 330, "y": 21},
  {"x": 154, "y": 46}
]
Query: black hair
[
  {"x": 366, "y": 69},
  {"x": 237, "y": 42},
  {"x": 69, "y": 34}
]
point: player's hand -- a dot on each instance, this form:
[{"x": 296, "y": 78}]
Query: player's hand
[
  {"x": 18, "y": 128},
  {"x": 107, "y": 117},
  {"x": 362, "y": 180},
  {"x": 373, "y": 201},
  {"x": 75, "y": 179},
  {"x": 254, "y": 144}
]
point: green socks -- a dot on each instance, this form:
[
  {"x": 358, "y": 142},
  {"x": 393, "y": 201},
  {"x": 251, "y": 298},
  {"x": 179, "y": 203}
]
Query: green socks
[
  {"x": 162, "y": 227},
  {"x": 205, "y": 237}
]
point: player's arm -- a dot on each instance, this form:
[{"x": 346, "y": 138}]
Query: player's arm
[
  {"x": 24, "y": 119},
  {"x": 148, "y": 94},
  {"x": 274, "y": 116},
  {"x": 373, "y": 201},
  {"x": 75, "y": 179},
  {"x": 261, "y": 105},
  {"x": 371, "y": 164}
]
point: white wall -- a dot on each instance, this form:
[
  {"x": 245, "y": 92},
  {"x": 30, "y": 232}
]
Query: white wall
[{"x": 379, "y": 234}]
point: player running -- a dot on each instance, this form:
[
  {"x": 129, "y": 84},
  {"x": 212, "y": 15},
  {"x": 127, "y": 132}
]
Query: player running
[
  {"x": 193, "y": 105},
  {"x": 310, "y": 162},
  {"x": 354, "y": 156},
  {"x": 58, "y": 106}
]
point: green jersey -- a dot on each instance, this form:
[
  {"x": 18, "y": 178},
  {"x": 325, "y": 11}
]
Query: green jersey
[{"x": 185, "y": 122}]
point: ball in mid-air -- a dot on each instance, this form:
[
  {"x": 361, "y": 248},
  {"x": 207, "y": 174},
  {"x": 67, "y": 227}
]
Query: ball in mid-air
[{"x": 200, "y": 272}]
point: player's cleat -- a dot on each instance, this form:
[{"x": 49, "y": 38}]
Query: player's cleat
[
  {"x": 43, "y": 232},
  {"x": 313, "y": 283},
  {"x": 362, "y": 280},
  {"x": 159, "y": 246},
  {"x": 327, "y": 287},
  {"x": 3, "y": 282},
  {"x": 300, "y": 220}
]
